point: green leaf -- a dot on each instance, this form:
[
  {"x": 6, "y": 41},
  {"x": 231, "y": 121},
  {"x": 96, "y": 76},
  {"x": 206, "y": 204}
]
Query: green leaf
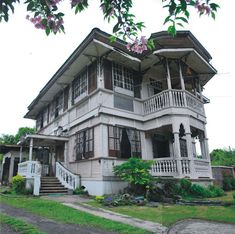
[
  {"x": 183, "y": 5},
  {"x": 48, "y": 30},
  {"x": 172, "y": 30},
  {"x": 30, "y": 6},
  {"x": 182, "y": 18},
  {"x": 213, "y": 15}
]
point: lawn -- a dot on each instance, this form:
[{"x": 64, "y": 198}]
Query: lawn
[
  {"x": 19, "y": 225},
  {"x": 169, "y": 214},
  {"x": 56, "y": 211}
]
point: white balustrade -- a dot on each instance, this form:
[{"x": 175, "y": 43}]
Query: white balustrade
[
  {"x": 193, "y": 103},
  {"x": 202, "y": 167},
  {"x": 173, "y": 98},
  {"x": 157, "y": 102},
  {"x": 66, "y": 177},
  {"x": 29, "y": 169},
  {"x": 164, "y": 167},
  {"x": 185, "y": 166}
]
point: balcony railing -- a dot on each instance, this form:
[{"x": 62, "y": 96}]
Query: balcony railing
[{"x": 173, "y": 98}]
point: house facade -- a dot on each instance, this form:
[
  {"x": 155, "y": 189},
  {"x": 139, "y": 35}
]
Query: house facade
[{"x": 106, "y": 104}]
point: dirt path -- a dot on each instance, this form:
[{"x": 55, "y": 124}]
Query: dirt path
[{"x": 47, "y": 225}]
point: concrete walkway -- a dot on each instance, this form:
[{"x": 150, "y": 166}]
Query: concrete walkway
[
  {"x": 77, "y": 202},
  {"x": 191, "y": 226}
]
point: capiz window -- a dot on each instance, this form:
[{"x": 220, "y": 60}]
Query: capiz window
[
  {"x": 124, "y": 142},
  {"x": 84, "y": 144},
  {"x": 79, "y": 88},
  {"x": 123, "y": 79}
]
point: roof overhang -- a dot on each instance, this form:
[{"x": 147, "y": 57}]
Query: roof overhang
[
  {"x": 43, "y": 140},
  {"x": 193, "y": 59}
]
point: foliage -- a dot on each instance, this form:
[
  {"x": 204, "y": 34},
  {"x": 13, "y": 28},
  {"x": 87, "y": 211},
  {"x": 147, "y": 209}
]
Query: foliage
[
  {"x": 223, "y": 157},
  {"x": 1, "y": 158},
  {"x": 80, "y": 191},
  {"x": 8, "y": 139},
  {"x": 57, "y": 211},
  {"x": 120, "y": 200},
  {"x": 136, "y": 172},
  {"x": 228, "y": 183},
  {"x": 19, "y": 225},
  {"x": 46, "y": 15},
  {"x": 185, "y": 186},
  {"x": 215, "y": 191},
  {"x": 18, "y": 184}
]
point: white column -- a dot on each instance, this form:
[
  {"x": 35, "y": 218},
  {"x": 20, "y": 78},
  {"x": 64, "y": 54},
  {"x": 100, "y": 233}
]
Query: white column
[
  {"x": 100, "y": 74},
  {"x": 190, "y": 154},
  {"x": 31, "y": 149},
  {"x": 11, "y": 168},
  {"x": 66, "y": 160},
  {"x": 21, "y": 153},
  {"x": 168, "y": 75},
  {"x": 181, "y": 77}
]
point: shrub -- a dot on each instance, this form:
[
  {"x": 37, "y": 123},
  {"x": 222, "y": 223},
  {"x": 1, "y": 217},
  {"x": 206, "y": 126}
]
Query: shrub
[
  {"x": 136, "y": 172},
  {"x": 18, "y": 184},
  {"x": 200, "y": 191},
  {"x": 232, "y": 181},
  {"x": 80, "y": 191},
  {"x": 185, "y": 186},
  {"x": 215, "y": 191},
  {"x": 227, "y": 186},
  {"x": 99, "y": 199},
  {"x": 118, "y": 200}
]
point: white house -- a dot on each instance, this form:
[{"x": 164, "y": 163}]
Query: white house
[{"x": 106, "y": 104}]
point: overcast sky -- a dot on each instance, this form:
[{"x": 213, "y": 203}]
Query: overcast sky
[{"x": 28, "y": 59}]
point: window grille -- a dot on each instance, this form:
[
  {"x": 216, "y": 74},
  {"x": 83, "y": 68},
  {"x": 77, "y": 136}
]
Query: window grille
[{"x": 123, "y": 77}]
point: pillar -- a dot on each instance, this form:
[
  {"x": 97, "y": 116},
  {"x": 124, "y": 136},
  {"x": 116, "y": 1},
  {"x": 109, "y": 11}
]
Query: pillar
[
  {"x": 31, "y": 149},
  {"x": 66, "y": 159},
  {"x": 11, "y": 168},
  {"x": 181, "y": 77},
  {"x": 21, "y": 153},
  {"x": 177, "y": 153},
  {"x": 168, "y": 75}
]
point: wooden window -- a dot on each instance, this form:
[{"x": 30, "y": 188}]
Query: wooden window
[
  {"x": 58, "y": 104},
  {"x": 108, "y": 79},
  {"x": 122, "y": 77},
  {"x": 160, "y": 146},
  {"x": 79, "y": 86},
  {"x": 92, "y": 77},
  {"x": 84, "y": 144},
  {"x": 66, "y": 98},
  {"x": 183, "y": 148},
  {"x": 39, "y": 121},
  {"x": 124, "y": 142}
]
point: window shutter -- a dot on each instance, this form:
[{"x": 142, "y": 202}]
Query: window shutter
[
  {"x": 66, "y": 98},
  {"x": 92, "y": 77},
  {"x": 137, "y": 84},
  {"x": 108, "y": 82}
]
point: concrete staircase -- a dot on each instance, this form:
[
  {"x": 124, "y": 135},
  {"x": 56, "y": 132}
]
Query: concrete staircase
[{"x": 51, "y": 185}]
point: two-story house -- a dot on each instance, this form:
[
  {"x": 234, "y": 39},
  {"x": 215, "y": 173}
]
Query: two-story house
[{"x": 106, "y": 104}]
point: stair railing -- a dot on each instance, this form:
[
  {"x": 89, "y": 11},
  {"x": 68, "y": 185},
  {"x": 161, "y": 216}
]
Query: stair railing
[{"x": 66, "y": 177}]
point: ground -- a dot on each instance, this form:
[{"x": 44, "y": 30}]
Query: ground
[{"x": 52, "y": 226}]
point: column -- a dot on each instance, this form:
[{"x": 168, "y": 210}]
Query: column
[
  {"x": 100, "y": 77},
  {"x": 181, "y": 77},
  {"x": 168, "y": 75},
  {"x": 11, "y": 168},
  {"x": 66, "y": 160},
  {"x": 31, "y": 149},
  {"x": 21, "y": 153},
  {"x": 190, "y": 154},
  {"x": 177, "y": 153},
  {"x": 169, "y": 82}
]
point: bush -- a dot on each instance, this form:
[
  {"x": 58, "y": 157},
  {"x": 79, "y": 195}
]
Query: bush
[
  {"x": 185, "y": 186},
  {"x": 136, "y": 172},
  {"x": 199, "y": 191},
  {"x": 81, "y": 191},
  {"x": 215, "y": 191},
  {"x": 227, "y": 185},
  {"x": 18, "y": 184},
  {"x": 120, "y": 200}
]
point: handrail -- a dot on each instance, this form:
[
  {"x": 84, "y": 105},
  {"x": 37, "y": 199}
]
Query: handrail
[{"x": 66, "y": 177}]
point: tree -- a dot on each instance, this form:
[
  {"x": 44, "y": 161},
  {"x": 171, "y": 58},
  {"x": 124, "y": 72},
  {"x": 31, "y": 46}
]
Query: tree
[
  {"x": 223, "y": 157},
  {"x": 46, "y": 15},
  {"x": 8, "y": 139}
]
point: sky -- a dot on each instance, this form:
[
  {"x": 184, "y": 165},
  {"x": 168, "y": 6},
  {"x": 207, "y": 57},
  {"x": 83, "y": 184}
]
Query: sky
[{"x": 29, "y": 58}]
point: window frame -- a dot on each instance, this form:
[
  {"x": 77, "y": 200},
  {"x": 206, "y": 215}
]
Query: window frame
[
  {"x": 78, "y": 90},
  {"x": 123, "y": 82}
]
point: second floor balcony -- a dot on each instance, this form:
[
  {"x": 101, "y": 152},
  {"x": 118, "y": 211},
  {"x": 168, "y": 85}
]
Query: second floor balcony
[{"x": 173, "y": 98}]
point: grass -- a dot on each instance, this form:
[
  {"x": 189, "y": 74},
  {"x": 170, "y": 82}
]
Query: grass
[
  {"x": 228, "y": 197},
  {"x": 19, "y": 225},
  {"x": 169, "y": 214},
  {"x": 56, "y": 211}
]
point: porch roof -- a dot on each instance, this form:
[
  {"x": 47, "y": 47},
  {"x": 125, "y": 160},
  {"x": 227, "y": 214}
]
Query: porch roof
[{"x": 42, "y": 140}]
